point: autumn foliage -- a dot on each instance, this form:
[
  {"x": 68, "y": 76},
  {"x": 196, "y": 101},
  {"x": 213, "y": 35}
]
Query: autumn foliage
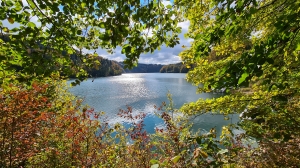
[
  {"x": 39, "y": 130},
  {"x": 24, "y": 112},
  {"x": 45, "y": 126}
]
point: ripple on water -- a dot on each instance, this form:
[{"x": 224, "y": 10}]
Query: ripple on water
[{"x": 142, "y": 92}]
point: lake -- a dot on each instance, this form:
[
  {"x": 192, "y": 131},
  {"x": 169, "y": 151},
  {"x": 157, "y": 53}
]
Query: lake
[{"x": 142, "y": 91}]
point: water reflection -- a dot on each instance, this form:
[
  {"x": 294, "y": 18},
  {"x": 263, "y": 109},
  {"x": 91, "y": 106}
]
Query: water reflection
[{"x": 142, "y": 92}]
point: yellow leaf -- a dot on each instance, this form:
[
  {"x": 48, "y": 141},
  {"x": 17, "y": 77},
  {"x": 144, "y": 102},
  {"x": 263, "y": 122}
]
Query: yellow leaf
[
  {"x": 176, "y": 159},
  {"x": 203, "y": 154},
  {"x": 10, "y": 20},
  {"x": 285, "y": 53},
  {"x": 5, "y": 29}
]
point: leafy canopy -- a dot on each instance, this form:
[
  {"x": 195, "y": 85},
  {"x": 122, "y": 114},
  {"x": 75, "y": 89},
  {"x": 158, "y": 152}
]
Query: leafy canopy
[
  {"x": 44, "y": 35},
  {"x": 249, "y": 48}
]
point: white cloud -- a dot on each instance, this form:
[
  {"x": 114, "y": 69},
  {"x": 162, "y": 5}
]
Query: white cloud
[
  {"x": 119, "y": 59},
  {"x": 166, "y": 3},
  {"x": 24, "y": 2},
  {"x": 184, "y": 25},
  {"x": 163, "y": 56}
]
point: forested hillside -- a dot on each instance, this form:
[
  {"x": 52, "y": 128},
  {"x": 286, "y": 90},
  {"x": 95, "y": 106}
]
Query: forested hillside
[
  {"x": 174, "y": 68},
  {"x": 143, "y": 68},
  {"x": 106, "y": 68}
]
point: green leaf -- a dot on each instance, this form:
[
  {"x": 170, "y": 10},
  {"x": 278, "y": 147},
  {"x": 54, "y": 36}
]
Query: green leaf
[
  {"x": 70, "y": 51},
  {"x": 83, "y": 5},
  {"x": 5, "y": 29},
  {"x": 102, "y": 25},
  {"x": 31, "y": 24},
  {"x": 169, "y": 6},
  {"x": 198, "y": 36},
  {"x": 18, "y": 6},
  {"x": 298, "y": 47},
  {"x": 243, "y": 77},
  {"x": 9, "y": 3},
  {"x": 153, "y": 161}
]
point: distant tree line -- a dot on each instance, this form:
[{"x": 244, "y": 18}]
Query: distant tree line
[
  {"x": 143, "y": 68},
  {"x": 174, "y": 68},
  {"x": 106, "y": 68}
]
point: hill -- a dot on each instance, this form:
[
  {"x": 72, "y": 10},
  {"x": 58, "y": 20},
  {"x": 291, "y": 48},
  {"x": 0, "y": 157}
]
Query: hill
[
  {"x": 107, "y": 68},
  {"x": 174, "y": 68},
  {"x": 143, "y": 68}
]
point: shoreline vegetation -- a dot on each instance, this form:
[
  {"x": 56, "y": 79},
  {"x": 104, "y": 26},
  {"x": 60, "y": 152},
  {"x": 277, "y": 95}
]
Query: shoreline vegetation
[{"x": 113, "y": 68}]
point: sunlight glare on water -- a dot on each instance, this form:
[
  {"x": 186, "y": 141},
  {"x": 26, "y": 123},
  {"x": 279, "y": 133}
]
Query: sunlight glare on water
[{"x": 141, "y": 91}]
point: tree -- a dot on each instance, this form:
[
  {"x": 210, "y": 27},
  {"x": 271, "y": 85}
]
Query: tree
[
  {"x": 174, "y": 68},
  {"x": 23, "y": 113},
  {"x": 107, "y": 68},
  {"x": 255, "y": 45},
  {"x": 64, "y": 28},
  {"x": 46, "y": 126}
]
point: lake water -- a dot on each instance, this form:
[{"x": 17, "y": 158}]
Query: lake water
[{"x": 142, "y": 91}]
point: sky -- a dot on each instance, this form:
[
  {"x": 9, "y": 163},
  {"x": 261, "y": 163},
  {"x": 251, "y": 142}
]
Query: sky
[{"x": 165, "y": 55}]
